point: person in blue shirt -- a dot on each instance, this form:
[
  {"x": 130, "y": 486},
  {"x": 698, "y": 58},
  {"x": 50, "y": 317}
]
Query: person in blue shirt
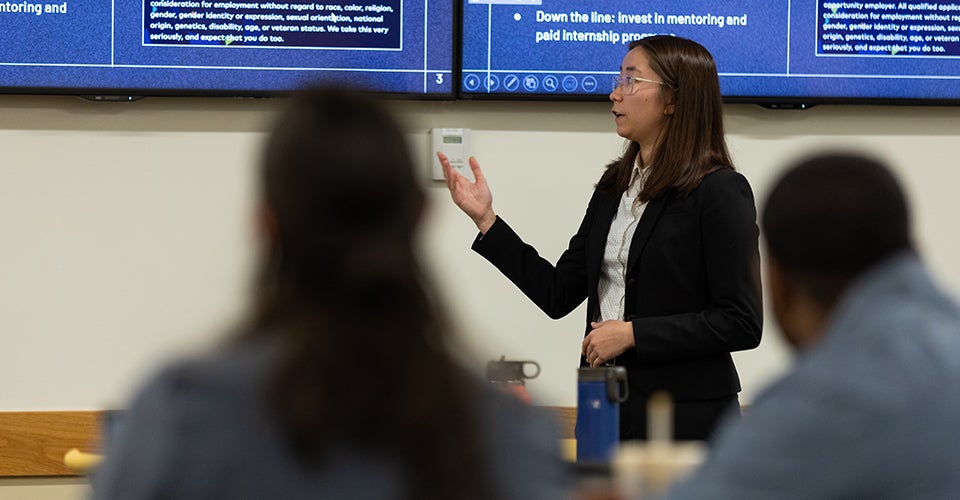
[
  {"x": 341, "y": 383},
  {"x": 871, "y": 408}
]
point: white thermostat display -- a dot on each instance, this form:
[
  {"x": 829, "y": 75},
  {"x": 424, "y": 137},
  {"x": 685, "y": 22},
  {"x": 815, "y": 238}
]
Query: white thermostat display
[{"x": 455, "y": 144}]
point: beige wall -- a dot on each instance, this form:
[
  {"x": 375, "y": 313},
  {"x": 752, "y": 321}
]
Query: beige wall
[
  {"x": 44, "y": 489},
  {"x": 124, "y": 226}
]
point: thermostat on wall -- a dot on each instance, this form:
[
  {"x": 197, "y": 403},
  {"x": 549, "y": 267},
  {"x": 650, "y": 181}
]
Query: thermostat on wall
[{"x": 455, "y": 144}]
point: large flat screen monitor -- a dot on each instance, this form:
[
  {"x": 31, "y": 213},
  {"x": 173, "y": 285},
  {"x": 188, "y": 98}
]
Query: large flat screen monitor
[
  {"x": 776, "y": 52},
  {"x": 236, "y": 48}
]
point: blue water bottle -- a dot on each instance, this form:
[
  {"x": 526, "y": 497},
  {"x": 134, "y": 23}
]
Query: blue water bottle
[{"x": 599, "y": 394}]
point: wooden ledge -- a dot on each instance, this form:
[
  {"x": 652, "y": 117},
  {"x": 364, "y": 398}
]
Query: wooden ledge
[
  {"x": 34, "y": 443},
  {"x": 566, "y": 417}
]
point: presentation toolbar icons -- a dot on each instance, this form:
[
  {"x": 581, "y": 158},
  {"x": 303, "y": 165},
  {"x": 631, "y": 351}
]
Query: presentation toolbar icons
[
  {"x": 514, "y": 83},
  {"x": 589, "y": 84},
  {"x": 471, "y": 82},
  {"x": 530, "y": 83},
  {"x": 492, "y": 83},
  {"x": 550, "y": 83}
]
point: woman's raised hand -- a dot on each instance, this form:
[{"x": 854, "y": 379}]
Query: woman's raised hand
[{"x": 474, "y": 198}]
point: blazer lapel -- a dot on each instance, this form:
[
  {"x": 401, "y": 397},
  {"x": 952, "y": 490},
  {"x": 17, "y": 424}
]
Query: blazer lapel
[{"x": 648, "y": 221}]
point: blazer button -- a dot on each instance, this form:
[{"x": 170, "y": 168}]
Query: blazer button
[{"x": 631, "y": 281}]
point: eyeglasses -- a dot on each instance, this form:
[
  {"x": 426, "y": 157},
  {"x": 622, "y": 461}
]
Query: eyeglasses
[{"x": 628, "y": 84}]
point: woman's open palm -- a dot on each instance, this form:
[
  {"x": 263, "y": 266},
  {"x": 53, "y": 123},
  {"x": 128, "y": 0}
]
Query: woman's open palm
[{"x": 474, "y": 198}]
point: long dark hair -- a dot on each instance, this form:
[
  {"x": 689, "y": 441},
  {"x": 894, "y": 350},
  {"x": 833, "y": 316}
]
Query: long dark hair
[
  {"x": 692, "y": 143},
  {"x": 365, "y": 360}
]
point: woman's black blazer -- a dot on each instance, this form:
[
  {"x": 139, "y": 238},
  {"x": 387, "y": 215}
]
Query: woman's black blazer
[{"x": 692, "y": 284}]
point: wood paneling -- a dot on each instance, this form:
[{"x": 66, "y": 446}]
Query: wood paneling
[
  {"x": 34, "y": 443},
  {"x": 566, "y": 418}
]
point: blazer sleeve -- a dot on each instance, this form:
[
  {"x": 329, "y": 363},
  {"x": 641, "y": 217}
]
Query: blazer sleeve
[
  {"x": 555, "y": 289},
  {"x": 732, "y": 317},
  {"x": 141, "y": 463}
]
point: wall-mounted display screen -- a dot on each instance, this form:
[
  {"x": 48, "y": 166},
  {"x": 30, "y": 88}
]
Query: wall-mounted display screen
[
  {"x": 767, "y": 51},
  {"x": 238, "y": 48}
]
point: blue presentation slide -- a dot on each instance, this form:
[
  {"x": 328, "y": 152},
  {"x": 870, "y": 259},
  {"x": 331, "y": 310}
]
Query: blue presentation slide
[
  {"x": 763, "y": 48},
  {"x": 391, "y": 46}
]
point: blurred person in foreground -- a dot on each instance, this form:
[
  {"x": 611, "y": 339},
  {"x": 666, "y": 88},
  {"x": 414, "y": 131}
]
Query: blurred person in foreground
[
  {"x": 871, "y": 408},
  {"x": 341, "y": 384}
]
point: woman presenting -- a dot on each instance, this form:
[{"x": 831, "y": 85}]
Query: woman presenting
[{"x": 666, "y": 255}]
